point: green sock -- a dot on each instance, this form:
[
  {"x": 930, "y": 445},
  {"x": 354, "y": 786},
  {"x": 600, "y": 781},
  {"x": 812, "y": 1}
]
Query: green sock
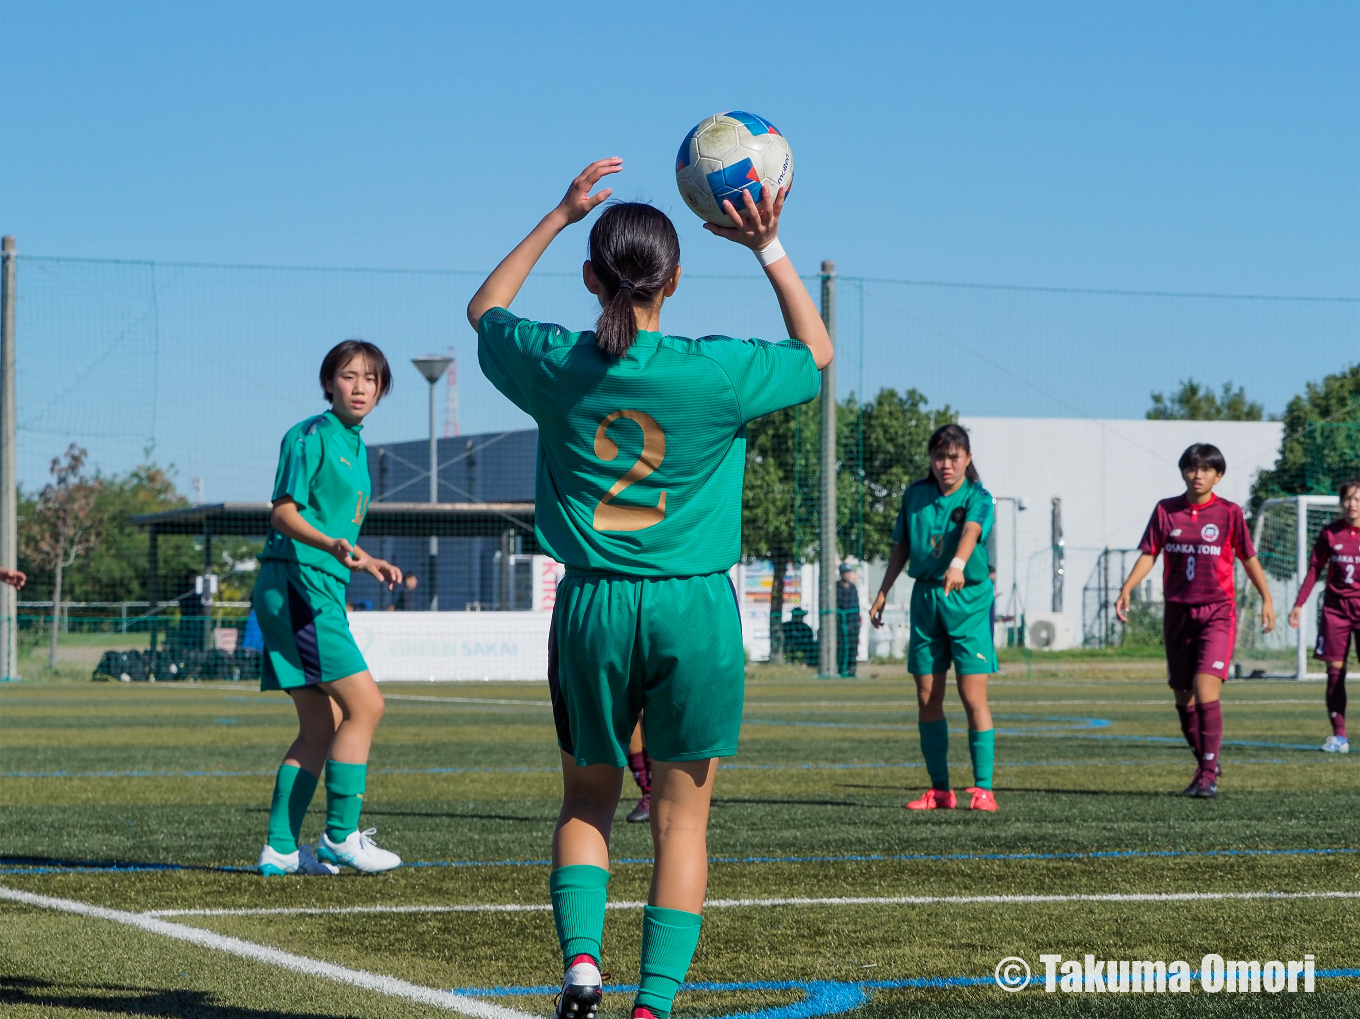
[
  {"x": 935, "y": 748},
  {"x": 293, "y": 789},
  {"x": 669, "y": 937},
  {"x": 344, "y": 797},
  {"x": 578, "y": 897},
  {"x": 981, "y": 748}
]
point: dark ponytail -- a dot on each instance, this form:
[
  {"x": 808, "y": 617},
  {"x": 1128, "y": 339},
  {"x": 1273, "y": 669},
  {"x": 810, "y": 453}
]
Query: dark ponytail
[
  {"x": 949, "y": 437},
  {"x": 634, "y": 251}
]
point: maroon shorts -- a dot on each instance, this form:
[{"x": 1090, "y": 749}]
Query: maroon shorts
[
  {"x": 1199, "y": 638},
  {"x": 1336, "y": 622}
]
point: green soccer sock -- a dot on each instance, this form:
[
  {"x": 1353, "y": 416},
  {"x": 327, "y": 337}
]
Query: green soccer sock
[
  {"x": 578, "y": 897},
  {"x": 344, "y": 798},
  {"x": 293, "y": 789},
  {"x": 935, "y": 748},
  {"x": 669, "y": 937},
  {"x": 981, "y": 748}
]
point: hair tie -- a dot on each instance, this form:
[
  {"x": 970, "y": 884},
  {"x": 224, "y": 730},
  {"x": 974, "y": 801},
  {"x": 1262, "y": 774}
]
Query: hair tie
[{"x": 628, "y": 284}]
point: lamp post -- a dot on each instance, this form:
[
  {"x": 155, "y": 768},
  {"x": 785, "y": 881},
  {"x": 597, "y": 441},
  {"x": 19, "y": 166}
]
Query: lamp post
[{"x": 432, "y": 366}]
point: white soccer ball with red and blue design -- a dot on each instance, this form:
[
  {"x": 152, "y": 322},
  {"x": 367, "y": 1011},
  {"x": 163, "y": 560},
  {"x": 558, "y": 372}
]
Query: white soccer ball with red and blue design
[{"x": 729, "y": 153}]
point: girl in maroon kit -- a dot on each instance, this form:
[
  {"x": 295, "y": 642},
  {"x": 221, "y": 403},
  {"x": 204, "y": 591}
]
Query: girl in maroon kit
[
  {"x": 1197, "y": 535},
  {"x": 1337, "y": 551}
]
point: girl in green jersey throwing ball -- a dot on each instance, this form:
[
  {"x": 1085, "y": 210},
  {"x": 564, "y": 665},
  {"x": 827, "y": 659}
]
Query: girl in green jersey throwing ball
[
  {"x": 321, "y": 493},
  {"x": 942, "y": 533},
  {"x": 641, "y": 450}
]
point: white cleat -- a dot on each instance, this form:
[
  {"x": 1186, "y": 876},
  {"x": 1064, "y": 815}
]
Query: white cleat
[
  {"x": 358, "y": 851},
  {"x": 310, "y": 865},
  {"x": 273, "y": 863},
  {"x": 1336, "y": 745},
  {"x": 581, "y": 990}
]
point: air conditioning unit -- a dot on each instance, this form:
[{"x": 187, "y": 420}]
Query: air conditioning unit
[{"x": 1048, "y": 631}]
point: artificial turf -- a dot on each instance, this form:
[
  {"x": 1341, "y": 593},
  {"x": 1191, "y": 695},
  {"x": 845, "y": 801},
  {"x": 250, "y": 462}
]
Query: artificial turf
[{"x": 153, "y": 797}]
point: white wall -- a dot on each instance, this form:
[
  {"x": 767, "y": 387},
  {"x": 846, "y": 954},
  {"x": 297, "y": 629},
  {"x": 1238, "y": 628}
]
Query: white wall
[{"x": 1109, "y": 474}]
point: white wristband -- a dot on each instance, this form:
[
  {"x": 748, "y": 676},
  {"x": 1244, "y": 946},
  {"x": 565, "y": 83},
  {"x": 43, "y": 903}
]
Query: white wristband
[
  {"x": 957, "y": 564},
  {"x": 771, "y": 253}
]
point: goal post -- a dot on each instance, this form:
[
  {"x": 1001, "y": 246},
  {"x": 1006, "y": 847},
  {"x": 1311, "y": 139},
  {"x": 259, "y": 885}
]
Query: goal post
[{"x": 1285, "y": 530}]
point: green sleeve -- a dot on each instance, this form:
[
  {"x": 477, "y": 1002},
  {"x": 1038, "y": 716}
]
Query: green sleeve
[
  {"x": 509, "y": 349},
  {"x": 766, "y": 376},
  {"x": 300, "y": 456},
  {"x": 981, "y": 511}
]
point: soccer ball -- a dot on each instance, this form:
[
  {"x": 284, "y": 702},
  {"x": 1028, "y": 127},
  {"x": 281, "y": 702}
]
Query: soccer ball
[{"x": 726, "y": 154}]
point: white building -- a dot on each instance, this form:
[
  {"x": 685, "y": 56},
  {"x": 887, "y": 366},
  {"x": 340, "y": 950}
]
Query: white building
[{"x": 1108, "y": 475}]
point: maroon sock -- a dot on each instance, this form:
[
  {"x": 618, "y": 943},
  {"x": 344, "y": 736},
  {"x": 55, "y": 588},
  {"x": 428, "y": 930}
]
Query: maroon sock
[
  {"x": 1210, "y": 734},
  {"x": 1190, "y": 725},
  {"x": 641, "y": 767},
  {"x": 1336, "y": 698}
]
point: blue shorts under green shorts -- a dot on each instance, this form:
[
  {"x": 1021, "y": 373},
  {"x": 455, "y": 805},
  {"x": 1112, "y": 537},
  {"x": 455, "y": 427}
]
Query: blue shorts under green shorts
[
  {"x": 302, "y": 618},
  {"x": 668, "y": 648},
  {"x": 951, "y": 629}
]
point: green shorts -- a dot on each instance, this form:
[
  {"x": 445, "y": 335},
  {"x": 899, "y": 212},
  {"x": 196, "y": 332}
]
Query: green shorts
[
  {"x": 301, "y": 611},
  {"x": 956, "y": 629},
  {"x": 668, "y": 648}
]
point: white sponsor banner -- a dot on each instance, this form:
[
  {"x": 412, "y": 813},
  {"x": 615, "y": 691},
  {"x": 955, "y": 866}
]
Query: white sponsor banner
[{"x": 453, "y": 645}]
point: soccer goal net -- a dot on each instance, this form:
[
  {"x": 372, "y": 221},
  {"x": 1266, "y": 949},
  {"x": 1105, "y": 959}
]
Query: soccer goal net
[{"x": 1284, "y": 533}]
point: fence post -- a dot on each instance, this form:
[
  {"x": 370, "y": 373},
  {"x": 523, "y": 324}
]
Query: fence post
[
  {"x": 826, "y": 593},
  {"x": 1301, "y": 551},
  {"x": 9, "y": 535}
]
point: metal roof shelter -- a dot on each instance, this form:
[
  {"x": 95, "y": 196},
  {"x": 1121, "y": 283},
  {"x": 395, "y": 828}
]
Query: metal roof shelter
[{"x": 383, "y": 519}]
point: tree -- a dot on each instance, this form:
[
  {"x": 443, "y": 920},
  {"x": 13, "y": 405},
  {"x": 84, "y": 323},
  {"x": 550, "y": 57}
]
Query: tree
[
  {"x": 895, "y": 429},
  {"x": 1197, "y": 402},
  {"x": 65, "y": 515},
  {"x": 1321, "y": 442},
  {"x": 881, "y": 449}
]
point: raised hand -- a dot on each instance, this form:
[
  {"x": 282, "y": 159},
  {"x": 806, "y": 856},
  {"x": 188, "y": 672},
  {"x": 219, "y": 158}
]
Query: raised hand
[
  {"x": 756, "y": 226},
  {"x": 578, "y": 202}
]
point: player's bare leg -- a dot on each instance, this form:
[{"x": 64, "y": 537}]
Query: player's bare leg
[
  {"x": 682, "y": 796},
  {"x": 303, "y": 763},
  {"x": 973, "y": 693},
  {"x": 579, "y": 879},
  {"x": 930, "y": 690},
  {"x": 361, "y": 708}
]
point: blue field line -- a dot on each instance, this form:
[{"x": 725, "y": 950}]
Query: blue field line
[
  {"x": 792, "y": 766},
  {"x": 1066, "y": 723},
  {"x": 87, "y": 867},
  {"x": 1052, "y": 732},
  {"x": 820, "y": 997}
]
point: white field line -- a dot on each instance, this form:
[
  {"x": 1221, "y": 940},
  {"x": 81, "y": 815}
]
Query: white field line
[
  {"x": 877, "y": 900},
  {"x": 275, "y": 957}
]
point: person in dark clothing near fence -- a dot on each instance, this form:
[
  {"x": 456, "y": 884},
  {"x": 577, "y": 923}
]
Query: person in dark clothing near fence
[
  {"x": 847, "y": 621},
  {"x": 800, "y": 643}
]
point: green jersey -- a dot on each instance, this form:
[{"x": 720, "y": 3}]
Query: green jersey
[
  {"x": 930, "y": 524},
  {"x": 323, "y": 467},
  {"x": 641, "y": 458}
]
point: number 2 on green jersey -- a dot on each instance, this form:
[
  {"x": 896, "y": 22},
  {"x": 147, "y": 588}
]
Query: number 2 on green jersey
[{"x": 609, "y": 517}]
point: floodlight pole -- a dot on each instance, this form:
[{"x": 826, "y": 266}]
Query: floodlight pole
[
  {"x": 826, "y": 594},
  {"x": 9, "y": 538},
  {"x": 432, "y": 366}
]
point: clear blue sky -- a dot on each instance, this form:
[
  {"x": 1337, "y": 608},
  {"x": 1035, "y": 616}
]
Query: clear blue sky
[
  {"x": 1138, "y": 145},
  {"x": 1161, "y": 146}
]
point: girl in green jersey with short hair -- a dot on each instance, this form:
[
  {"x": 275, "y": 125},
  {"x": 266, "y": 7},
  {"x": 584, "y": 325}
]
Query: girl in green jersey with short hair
[
  {"x": 941, "y": 532},
  {"x": 641, "y": 452},
  {"x": 321, "y": 493}
]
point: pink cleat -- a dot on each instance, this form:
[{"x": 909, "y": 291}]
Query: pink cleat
[
  {"x": 982, "y": 799},
  {"x": 642, "y": 1012},
  {"x": 934, "y": 799}
]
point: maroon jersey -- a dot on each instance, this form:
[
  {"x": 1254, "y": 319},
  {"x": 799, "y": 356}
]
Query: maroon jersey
[
  {"x": 1197, "y": 545},
  {"x": 1337, "y": 550}
]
